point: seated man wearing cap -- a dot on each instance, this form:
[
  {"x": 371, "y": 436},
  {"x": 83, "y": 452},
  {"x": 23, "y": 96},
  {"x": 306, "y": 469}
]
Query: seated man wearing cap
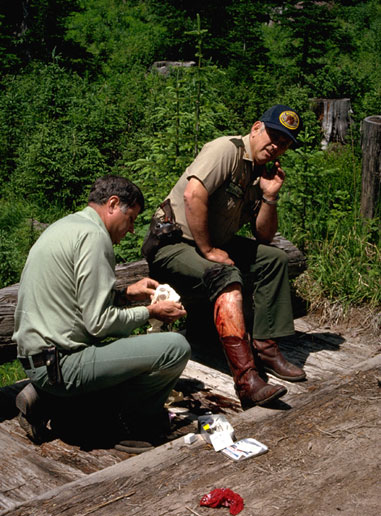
[{"x": 226, "y": 186}]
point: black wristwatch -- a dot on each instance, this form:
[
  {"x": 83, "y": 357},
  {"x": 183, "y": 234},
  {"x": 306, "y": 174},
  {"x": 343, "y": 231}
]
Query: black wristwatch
[{"x": 272, "y": 203}]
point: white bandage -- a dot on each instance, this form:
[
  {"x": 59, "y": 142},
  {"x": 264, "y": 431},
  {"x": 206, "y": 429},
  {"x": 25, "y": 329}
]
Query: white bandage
[{"x": 162, "y": 293}]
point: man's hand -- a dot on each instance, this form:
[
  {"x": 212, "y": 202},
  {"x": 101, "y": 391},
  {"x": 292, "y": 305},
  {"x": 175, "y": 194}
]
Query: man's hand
[
  {"x": 271, "y": 182},
  {"x": 166, "y": 311},
  {"x": 141, "y": 290},
  {"x": 219, "y": 256}
]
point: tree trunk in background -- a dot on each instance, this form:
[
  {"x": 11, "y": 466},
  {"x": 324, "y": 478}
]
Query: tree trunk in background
[
  {"x": 335, "y": 119},
  {"x": 371, "y": 166}
]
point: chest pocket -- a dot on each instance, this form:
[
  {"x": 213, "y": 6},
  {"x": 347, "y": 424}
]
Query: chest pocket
[
  {"x": 241, "y": 181},
  {"x": 235, "y": 190},
  {"x": 243, "y": 190}
]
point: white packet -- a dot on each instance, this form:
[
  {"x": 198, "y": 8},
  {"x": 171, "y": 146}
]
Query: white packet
[{"x": 162, "y": 293}]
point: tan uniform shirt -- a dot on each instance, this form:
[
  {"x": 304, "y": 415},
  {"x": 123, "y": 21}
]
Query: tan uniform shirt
[{"x": 226, "y": 169}]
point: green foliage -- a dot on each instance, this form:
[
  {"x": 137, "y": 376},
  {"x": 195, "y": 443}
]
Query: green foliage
[
  {"x": 312, "y": 29},
  {"x": 10, "y": 373},
  {"x": 17, "y": 234},
  {"x": 344, "y": 269},
  {"x": 319, "y": 213},
  {"x": 33, "y": 30},
  {"x": 60, "y": 133},
  {"x": 174, "y": 124},
  {"x": 245, "y": 42},
  {"x": 316, "y": 198},
  {"x": 129, "y": 248},
  {"x": 60, "y": 128},
  {"x": 117, "y": 34}
]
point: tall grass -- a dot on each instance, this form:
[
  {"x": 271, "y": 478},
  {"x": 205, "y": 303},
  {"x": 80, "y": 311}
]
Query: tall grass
[
  {"x": 344, "y": 269},
  {"x": 10, "y": 373},
  {"x": 319, "y": 212},
  {"x": 18, "y": 232}
]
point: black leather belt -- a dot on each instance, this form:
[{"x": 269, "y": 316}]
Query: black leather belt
[{"x": 37, "y": 360}]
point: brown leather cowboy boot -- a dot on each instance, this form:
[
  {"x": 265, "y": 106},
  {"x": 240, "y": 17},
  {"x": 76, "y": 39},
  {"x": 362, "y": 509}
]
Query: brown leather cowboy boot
[
  {"x": 274, "y": 362},
  {"x": 228, "y": 317},
  {"x": 250, "y": 387}
]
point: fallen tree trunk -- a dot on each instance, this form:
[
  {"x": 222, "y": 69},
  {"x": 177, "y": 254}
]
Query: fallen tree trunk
[{"x": 126, "y": 274}]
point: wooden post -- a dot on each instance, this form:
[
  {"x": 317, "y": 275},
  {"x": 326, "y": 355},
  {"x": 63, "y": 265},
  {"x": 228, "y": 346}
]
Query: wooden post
[
  {"x": 335, "y": 118},
  {"x": 371, "y": 166}
]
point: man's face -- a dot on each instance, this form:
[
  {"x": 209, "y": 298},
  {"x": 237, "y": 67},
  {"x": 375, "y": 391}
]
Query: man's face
[
  {"x": 122, "y": 222},
  {"x": 267, "y": 144}
]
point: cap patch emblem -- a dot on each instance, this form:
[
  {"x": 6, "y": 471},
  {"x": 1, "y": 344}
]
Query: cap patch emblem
[{"x": 289, "y": 119}]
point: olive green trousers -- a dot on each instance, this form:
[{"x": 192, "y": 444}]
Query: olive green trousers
[
  {"x": 144, "y": 369},
  {"x": 262, "y": 271}
]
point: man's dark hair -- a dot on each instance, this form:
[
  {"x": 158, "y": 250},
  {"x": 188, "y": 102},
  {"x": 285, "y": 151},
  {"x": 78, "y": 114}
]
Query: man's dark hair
[{"x": 106, "y": 186}]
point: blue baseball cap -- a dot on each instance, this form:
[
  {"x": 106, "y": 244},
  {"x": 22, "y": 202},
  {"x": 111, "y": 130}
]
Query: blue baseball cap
[{"x": 283, "y": 119}]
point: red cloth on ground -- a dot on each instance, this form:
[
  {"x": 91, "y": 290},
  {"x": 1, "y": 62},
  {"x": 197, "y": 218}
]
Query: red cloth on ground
[{"x": 223, "y": 498}]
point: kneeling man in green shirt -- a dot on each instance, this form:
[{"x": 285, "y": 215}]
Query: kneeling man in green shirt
[{"x": 68, "y": 308}]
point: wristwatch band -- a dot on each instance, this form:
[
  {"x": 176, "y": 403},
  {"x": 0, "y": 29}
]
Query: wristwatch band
[{"x": 272, "y": 203}]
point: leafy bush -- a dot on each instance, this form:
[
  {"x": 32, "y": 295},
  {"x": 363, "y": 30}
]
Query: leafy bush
[
  {"x": 321, "y": 192},
  {"x": 60, "y": 133},
  {"x": 173, "y": 135},
  {"x": 10, "y": 373},
  {"x": 17, "y": 235},
  {"x": 319, "y": 213}
]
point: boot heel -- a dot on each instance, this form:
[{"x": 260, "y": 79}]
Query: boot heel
[
  {"x": 27, "y": 399},
  {"x": 31, "y": 417}
]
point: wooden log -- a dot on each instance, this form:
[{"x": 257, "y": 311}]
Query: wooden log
[
  {"x": 335, "y": 119},
  {"x": 164, "y": 67},
  {"x": 371, "y": 166},
  {"x": 326, "y": 356},
  {"x": 174, "y": 476},
  {"x": 126, "y": 274}
]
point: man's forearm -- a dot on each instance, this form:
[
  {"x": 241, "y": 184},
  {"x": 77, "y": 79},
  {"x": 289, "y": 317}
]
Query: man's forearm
[
  {"x": 197, "y": 217},
  {"x": 266, "y": 223},
  {"x": 196, "y": 210}
]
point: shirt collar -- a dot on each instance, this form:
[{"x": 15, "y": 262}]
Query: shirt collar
[
  {"x": 247, "y": 154},
  {"x": 91, "y": 214}
]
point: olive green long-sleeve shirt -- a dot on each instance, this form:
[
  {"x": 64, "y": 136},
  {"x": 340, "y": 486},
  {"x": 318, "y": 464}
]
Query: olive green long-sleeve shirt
[{"x": 66, "y": 294}]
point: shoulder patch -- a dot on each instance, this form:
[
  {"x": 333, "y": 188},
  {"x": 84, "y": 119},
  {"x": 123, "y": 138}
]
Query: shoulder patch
[{"x": 237, "y": 142}]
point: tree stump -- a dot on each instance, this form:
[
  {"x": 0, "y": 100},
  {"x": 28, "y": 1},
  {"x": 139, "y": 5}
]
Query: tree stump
[
  {"x": 335, "y": 119},
  {"x": 371, "y": 166}
]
